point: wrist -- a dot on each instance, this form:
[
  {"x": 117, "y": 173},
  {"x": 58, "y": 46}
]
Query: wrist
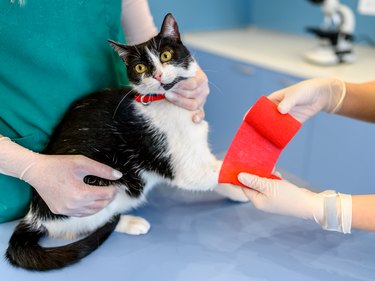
[
  {"x": 334, "y": 212},
  {"x": 15, "y": 160},
  {"x": 337, "y": 92}
]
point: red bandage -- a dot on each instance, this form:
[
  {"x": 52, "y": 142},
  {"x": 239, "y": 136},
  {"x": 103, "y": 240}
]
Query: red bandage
[{"x": 258, "y": 142}]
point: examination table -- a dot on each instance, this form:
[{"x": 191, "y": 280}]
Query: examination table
[{"x": 202, "y": 236}]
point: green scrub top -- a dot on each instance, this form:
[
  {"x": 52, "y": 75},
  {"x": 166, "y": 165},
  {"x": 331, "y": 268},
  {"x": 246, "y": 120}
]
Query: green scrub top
[{"x": 51, "y": 53}]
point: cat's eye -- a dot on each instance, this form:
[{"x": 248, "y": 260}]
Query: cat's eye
[
  {"x": 140, "y": 68},
  {"x": 165, "y": 56}
]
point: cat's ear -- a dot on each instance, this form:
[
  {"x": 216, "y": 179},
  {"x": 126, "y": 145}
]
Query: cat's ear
[
  {"x": 121, "y": 49},
  {"x": 170, "y": 28}
]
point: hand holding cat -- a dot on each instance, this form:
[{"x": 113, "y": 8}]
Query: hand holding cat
[
  {"x": 59, "y": 178},
  {"x": 191, "y": 94},
  {"x": 303, "y": 100},
  {"x": 59, "y": 181}
]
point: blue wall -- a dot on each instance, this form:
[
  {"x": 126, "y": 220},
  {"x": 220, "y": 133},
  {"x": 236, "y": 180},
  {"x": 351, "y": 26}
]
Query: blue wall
[
  {"x": 283, "y": 15},
  {"x": 286, "y": 15},
  {"x": 295, "y": 15},
  {"x": 198, "y": 15}
]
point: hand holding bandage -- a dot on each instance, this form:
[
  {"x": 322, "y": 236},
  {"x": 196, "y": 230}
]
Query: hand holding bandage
[
  {"x": 250, "y": 162},
  {"x": 258, "y": 143}
]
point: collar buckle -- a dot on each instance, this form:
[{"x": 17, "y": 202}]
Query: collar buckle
[{"x": 145, "y": 103}]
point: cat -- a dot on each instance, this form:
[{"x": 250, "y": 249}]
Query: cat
[{"x": 136, "y": 131}]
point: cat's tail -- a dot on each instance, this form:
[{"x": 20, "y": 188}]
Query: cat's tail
[{"x": 24, "y": 250}]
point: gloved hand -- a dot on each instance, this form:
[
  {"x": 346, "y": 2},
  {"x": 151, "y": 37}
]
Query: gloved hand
[
  {"x": 305, "y": 99},
  {"x": 191, "y": 94},
  {"x": 284, "y": 198},
  {"x": 59, "y": 178}
]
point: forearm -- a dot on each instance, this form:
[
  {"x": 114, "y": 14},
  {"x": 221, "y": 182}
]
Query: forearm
[
  {"x": 137, "y": 21},
  {"x": 359, "y": 102},
  {"x": 363, "y": 216}
]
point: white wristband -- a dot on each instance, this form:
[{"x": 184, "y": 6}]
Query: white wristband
[
  {"x": 330, "y": 221},
  {"x": 341, "y": 100},
  {"x": 346, "y": 212},
  {"x": 337, "y": 211}
]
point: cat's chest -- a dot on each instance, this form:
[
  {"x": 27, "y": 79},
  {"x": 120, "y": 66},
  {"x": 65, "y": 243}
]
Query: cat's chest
[{"x": 175, "y": 122}]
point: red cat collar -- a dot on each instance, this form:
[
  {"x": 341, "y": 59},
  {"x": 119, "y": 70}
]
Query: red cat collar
[
  {"x": 146, "y": 99},
  {"x": 258, "y": 143}
]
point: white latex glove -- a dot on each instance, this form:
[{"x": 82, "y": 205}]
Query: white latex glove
[
  {"x": 284, "y": 198},
  {"x": 305, "y": 99},
  {"x": 59, "y": 178},
  {"x": 191, "y": 94}
]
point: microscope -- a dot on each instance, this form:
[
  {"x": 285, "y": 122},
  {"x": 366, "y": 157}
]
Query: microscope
[{"x": 335, "y": 35}]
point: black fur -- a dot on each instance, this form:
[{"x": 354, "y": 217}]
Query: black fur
[{"x": 26, "y": 252}]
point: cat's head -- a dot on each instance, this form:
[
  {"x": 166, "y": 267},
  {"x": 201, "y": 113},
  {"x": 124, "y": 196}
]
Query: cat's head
[{"x": 158, "y": 64}]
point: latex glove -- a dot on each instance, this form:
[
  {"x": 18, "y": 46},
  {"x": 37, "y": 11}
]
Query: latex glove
[
  {"x": 191, "y": 94},
  {"x": 305, "y": 99},
  {"x": 59, "y": 178},
  {"x": 284, "y": 198}
]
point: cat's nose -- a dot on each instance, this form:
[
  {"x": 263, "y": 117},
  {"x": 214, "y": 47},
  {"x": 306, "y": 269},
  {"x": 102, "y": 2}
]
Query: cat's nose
[{"x": 157, "y": 76}]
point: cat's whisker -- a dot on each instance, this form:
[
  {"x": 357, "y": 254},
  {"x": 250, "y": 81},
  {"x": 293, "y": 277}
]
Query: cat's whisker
[
  {"x": 137, "y": 50},
  {"x": 158, "y": 48},
  {"x": 216, "y": 87},
  {"x": 210, "y": 70},
  {"x": 123, "y": 98},
  {"x": 154, "y": 42}
]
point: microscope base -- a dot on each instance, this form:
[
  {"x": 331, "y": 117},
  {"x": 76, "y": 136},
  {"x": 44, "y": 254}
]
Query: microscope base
[{"x": 327, "y": 56}]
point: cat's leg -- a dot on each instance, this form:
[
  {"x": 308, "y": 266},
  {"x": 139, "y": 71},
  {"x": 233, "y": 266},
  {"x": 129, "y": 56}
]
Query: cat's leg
[
  {"x": 205, "y": 177},
  {"x": 132, "y": 225},
  {"x": 209, "y": 180},
  {"x": 197, "y": 176},
  {"x": 232, "y": 192}
]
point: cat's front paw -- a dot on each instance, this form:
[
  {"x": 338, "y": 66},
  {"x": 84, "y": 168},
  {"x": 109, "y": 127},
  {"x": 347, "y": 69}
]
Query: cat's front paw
[
  {"x": 232, "y": 192},
  {"x": 132, "y": 225}
]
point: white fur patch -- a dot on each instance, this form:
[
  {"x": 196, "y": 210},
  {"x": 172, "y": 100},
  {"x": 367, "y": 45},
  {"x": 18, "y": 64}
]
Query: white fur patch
[
  {"x": 195, "y": 166},
  {"x": 132, "y": 225},
  {"x": 169, "y": 31}
]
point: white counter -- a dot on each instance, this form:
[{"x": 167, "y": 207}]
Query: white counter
[{"x": 280, "y": 51}]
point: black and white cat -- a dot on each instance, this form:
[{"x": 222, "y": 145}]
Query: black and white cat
[{"x": 144, "y": 136}]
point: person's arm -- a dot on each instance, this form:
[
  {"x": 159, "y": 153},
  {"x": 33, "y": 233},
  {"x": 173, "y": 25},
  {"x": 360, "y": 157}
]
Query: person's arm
[
  {"x": 359, "y": 102},
  {"x": 302, "y": 101},
  {"x": 138, "y": 25},
  {"x": 137, "y": 21},
  {"x": 284, "y": 198},
  {"x": 364, "y": 212},
  {"x": 305, "y": 99},
  {"x": 331, "y": 210},
  {"x": 59, "y": 178}
]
